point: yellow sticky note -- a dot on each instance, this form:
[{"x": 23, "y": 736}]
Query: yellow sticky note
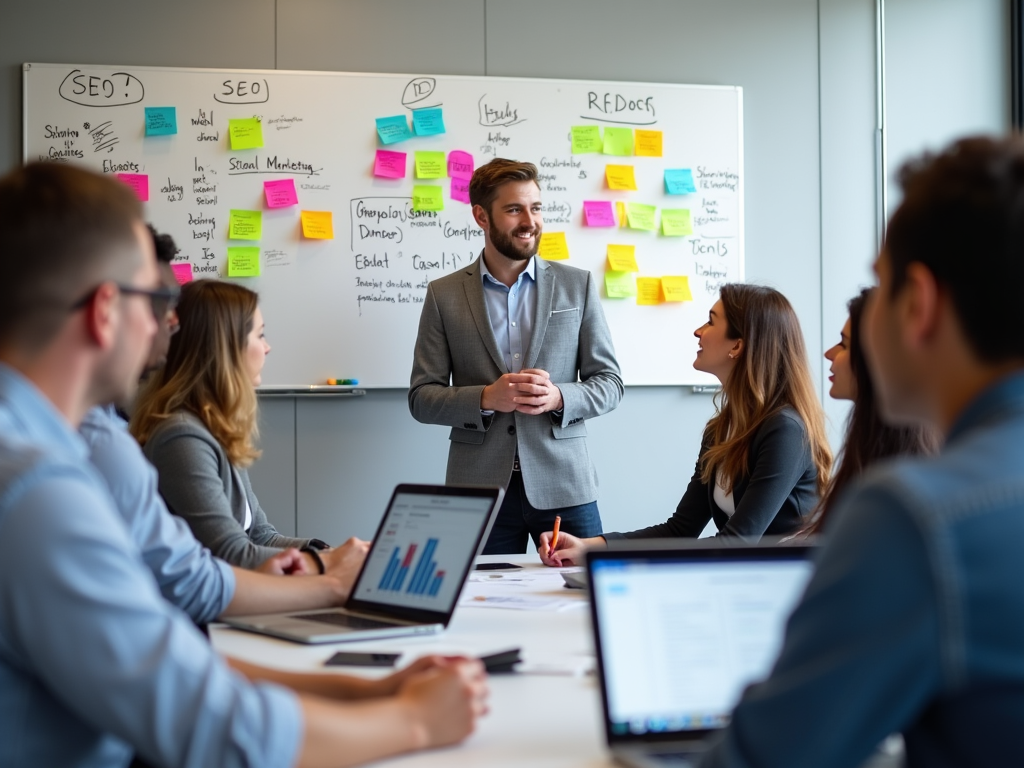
[
  {"x": 245, "y": 225},
  {"x": 676, "y": 222},
  {"x": 430, "y": 165},
  {"x": 641, "y": 216},
  {"x": 244, "y": 261},
  {"x": 620, "y": 176},
  {"x": 648, "y": 291},
  {"x": 245, "y": 133},
  {"x": 648, "y": 143},
  {"x": 618, "y": 141},
  {"x": 553, "y": 246},
  {"x": 620, "y": 212},
  {"x": 676, "y": 288},
  {"x": 619, "y": 285},
  {"x": 622, "y": 258},
  {"x": 317, "y": 225},
  {"x": 426, "y": 197},
  {"x": 586, "y": 139}
]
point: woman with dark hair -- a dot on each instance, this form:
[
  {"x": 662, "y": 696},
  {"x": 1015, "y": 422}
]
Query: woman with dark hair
[
  {"x": 764, "y": 459},
  {"x": 868, "y": 438}
]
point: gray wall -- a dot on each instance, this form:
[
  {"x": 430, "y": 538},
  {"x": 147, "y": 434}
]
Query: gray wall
[{"x": 807, "y": 69}]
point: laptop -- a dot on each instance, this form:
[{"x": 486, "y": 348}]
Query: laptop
[
  {"x": 413, "y": 574},
  {"x": 679, "y": 632}
]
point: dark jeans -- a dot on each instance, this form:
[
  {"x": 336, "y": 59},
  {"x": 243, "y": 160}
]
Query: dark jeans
[{"x": 517, "y": 518}]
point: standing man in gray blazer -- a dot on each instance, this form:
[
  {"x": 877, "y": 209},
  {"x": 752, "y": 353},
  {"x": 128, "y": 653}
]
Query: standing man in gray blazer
[{"x": 514, "y": 354}]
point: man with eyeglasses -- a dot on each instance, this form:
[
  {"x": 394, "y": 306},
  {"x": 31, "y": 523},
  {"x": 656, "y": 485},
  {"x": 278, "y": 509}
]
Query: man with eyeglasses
[{"x": 95, "y": 664}]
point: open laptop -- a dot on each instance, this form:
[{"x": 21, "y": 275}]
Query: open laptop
[
  {"x": 413, "y": 575},
  {"x": 679, "y": 632}
]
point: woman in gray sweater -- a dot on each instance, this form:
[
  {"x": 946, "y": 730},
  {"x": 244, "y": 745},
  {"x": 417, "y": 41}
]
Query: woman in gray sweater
[{"x": 196, "y": 421}]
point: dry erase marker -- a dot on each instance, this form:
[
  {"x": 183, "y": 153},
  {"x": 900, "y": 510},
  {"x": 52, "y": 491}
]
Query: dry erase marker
[
  {"x": 554, "y": 532},
  {"x": 343, "y": 382}
]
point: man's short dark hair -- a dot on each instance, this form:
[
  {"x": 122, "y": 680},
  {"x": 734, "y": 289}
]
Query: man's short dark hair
[
  {"x": 962, "y": 217},
  {"x": 63, "y": 231},
  {"x": 166, "y": 248},
  {"x": 483, "y": 187}
]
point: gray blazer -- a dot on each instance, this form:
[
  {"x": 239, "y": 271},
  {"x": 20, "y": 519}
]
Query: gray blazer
[
  {"x": 457, "y": 356},
  {"x": 200, "y": 485}
]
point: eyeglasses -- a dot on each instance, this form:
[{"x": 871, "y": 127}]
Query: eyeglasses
[{"x": 161, "y": 300}]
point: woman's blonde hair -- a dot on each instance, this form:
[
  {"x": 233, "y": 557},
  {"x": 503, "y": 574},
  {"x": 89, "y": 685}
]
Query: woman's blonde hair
[
  {"x": 205, "y": 373},
  {"x": 770, "y": 374}
]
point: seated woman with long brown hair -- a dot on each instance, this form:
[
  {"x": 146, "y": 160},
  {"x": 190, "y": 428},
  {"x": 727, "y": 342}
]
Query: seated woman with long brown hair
[
  {"x": 764, "y": 459},
  {"x": 196, "y": 421},
  {"x": 868, "y": 439}
]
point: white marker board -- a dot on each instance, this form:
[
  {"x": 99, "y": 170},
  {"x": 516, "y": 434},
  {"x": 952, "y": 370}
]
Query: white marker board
[{"x": 349, "y": 307}]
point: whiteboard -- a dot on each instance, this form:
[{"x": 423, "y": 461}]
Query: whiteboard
[{"x": 349, "y": 307}]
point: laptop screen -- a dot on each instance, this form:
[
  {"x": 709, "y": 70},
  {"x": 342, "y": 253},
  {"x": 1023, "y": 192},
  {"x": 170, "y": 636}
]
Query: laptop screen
[
  {"x": 680, "y": 637},
  {"x": 424, "y": 547}
]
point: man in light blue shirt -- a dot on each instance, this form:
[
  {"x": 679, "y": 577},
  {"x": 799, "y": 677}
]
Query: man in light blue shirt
[
  {"x": 914, "y": 619},
  {"x": 95, "y": 664}
]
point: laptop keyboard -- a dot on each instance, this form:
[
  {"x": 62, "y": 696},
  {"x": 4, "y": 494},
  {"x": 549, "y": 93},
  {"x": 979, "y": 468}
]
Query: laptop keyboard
[{"x": 343, "y": 620}]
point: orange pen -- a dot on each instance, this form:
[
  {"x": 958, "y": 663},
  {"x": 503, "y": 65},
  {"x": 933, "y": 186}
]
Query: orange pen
[{"x": 554, "y": 532}]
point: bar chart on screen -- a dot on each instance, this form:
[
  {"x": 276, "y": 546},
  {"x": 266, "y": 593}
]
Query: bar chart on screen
[{"x": 426, "y": 578}]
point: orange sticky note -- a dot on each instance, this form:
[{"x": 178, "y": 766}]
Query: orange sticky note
[
  {"x": 553, "y": 246},
  {"x": 647, "y": 143},
  {"x": 676, "y": 288},
  {"x": 318, "y": 225},
  {"x": 620, "y": 177},
  {"x": 648, "y": 291},
  {"x": 622, "y": 258}
]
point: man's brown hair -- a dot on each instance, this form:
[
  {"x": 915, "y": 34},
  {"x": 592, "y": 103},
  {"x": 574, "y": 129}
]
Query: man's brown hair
[
  {"x": 483, "y": 187},
  {"x": 63, "y": 232}
]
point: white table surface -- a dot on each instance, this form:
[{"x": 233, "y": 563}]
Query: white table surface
[{"x": 535, "y": 719}]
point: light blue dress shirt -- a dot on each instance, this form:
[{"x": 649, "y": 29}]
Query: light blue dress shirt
[
  {"x": 94, "y": 663},
  {"x": 511, "y": 312}
]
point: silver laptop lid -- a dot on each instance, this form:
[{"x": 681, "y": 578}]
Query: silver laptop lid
[{"x": 681, "y": 631}]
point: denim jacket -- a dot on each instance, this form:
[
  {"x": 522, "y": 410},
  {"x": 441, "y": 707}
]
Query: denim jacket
[{"x": 914, "y": 619}]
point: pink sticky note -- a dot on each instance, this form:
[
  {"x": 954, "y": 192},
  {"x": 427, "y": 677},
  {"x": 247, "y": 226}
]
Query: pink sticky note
[
  {"x": 182, "y": 272},
  {"x": 599, "y": 213},
  {"x": 389, "y": 165},
  {"x": 138, "y": 182},
  {"x": 280, "y": 193},
  {"x": 460, "y": 165},
  {"x": 460, "y": 190}
]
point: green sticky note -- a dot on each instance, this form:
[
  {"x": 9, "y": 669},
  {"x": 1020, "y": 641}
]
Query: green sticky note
[
  {"x": 430, "y": 165},
  {"x": 586, "y": 139},
  {"x": 641, "y": 216},
  {"x": 245, "y": 225},
  {"x": 426, "y": 197},
  {"x": 618, "y": 141},
  {"x": 619, "y": 285},
  {"x": 246, "y": 133},
  {"x": 244, "y": 261},
  {"x": 675, "y": 222}
]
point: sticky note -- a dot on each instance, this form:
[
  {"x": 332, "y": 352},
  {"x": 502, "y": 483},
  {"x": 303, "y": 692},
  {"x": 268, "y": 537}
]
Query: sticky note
[
  {"x": 280, "y": 193},
  {"x": 679, "y": 181},
  {"x": 553, "y": 246},
  {"x": 620, "y": 213},
  {"x": 620, "y": 177},
  {"x": 619, "y": 285},
  {"x": 245, "y": 133},
  {"x": 586, "y": 139},
  {"x": 244, "y": 261},
  {"x": 622, "y": 258},
  {"x": 426, "y": 197},
  {"x": 647, "y": 143},
  {"x": 182, "y": 272},
  {"x": 428, "y": 122},
  {"x": 648, "y": 291},
  {"x": 161, "y": 121},
  {"x": 389, "y": 165},
  {"x": 393, "y": 129},
  {"x": 641, "y": 216},
  {"x": 676, "y": 222},
  {"x": 460, "y": 190},
  {"x": 460, "y": 165},
  {"x": 430, "y": 165},
  {"x": 618, "y": 141},
  {"x": 676, "y": 288},
  {"x": 317, "y": 225},
  {"x": 599, "y": 213},
  {"x": 139, "y": 182},
  {"x": 245, "y": 225}
]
